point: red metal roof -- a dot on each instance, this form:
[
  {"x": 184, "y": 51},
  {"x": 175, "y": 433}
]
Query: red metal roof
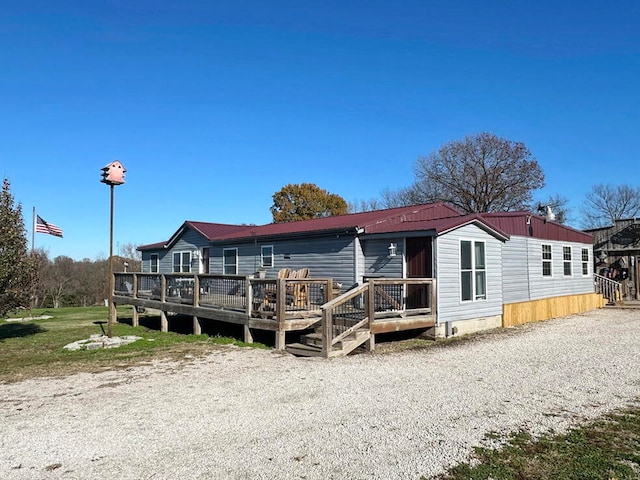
[
  {"x": 378, "y": 221},
  {"x": 210, "y": 231},
  {"x": 443, "y": 225},
  {"x": 214, "y": 230},
  {"x": 152, "y": 246},
  {"x": 436, "y": 217},
  {"x": 526, "y": 224}
]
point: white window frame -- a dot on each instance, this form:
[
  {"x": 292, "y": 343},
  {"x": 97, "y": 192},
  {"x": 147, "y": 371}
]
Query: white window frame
[
  {"x": 585, "y": 262},
  {"x": 271, "y": 262},
  {"x": 157, "y": 269},
  {"x": 474, "y": 271},
  {"x": 547, "y": 260},
  {"x": 183, "y": 267},
  {"x": 224, "y": 261},
  {"x": 567, "y": 255}
]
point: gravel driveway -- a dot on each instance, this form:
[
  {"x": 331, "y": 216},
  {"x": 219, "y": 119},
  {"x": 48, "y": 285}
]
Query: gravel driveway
[{"x": 254, "y": 414}]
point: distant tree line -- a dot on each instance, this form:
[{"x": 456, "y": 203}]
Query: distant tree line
[{"x": 65, "y": 282}]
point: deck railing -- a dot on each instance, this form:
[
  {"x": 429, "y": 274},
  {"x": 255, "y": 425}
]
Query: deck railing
[
  {"x": 257, "y": 297},
  {"x": 380, "y": 298},
  {"x": 608, "y": 288}
]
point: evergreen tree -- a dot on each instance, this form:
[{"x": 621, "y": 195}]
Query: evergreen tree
[{"x": 17, "y": 267}]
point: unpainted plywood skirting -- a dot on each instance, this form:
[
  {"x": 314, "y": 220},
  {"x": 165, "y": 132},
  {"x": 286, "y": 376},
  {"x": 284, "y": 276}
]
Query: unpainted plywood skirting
[{"x": 546, "y": 308}]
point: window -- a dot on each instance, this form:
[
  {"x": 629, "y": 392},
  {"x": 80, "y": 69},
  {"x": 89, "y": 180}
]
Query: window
[
  {"x": 585, "y": 261},
  {"x": 546, "y": 260},
  {"x": 153, "y": 262},
  {"x": 266, "y": 256},
  {"x": 230, "y": 261},
  {"x": 181, "y": 262},
  {"x": 473, "y": 273},
  {"x": 566, "y": 261}
]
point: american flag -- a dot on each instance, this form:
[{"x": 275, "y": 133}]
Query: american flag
[{"x": 50, "y": 228}]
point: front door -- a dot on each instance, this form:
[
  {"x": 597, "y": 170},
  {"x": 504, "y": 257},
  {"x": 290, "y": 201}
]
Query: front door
[{"x": 419, "y": 265}]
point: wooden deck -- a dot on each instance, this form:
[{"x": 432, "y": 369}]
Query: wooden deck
[{"x": 285, "y": 305}]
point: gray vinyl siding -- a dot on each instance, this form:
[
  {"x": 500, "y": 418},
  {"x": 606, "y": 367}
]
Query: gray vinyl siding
[
  {"x": 515, "y": 269},
  {"x": 188, "y": 242},
  {"x": 377, "y": 261},
  {"x": 359, "y": 266},
  {"x": 557, "y": 284},
  {"x": 146, "y": 259},
  {"x": 325, "y": 257},
  {"x": 450, "y": 306}
]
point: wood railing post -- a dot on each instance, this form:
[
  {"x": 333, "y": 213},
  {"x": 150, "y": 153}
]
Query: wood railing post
[
  {"x": 434, "y": 299},
  {"x": 327, "y": 331},
  {"x": 164, "y": 322},
  {"x": 249, "y": 297},
  {"x": 135, "y": 285},
  {"x": 281, "y": 303},
  {"x": 196, "y": 290},
  {"x": 370, "y": 308}
]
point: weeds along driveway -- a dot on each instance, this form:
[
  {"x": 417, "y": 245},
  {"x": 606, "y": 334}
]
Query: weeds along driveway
[{"x": 253, "y": 414}]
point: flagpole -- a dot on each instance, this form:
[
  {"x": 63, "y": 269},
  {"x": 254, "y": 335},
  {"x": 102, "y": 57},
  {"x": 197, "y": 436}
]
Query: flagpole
[{"x": 33, "y": 231}]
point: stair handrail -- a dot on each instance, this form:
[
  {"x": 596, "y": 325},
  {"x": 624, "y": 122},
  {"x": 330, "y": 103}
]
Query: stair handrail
[
  {"x": 328, "y": 308},
  {"x": 608, "y": 288}
]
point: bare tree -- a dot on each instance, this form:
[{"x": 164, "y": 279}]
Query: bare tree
[
  {"x": 130, "y": 255},
  {"x": 481, "y": 173},
  {"x": 58, "y": 279},
  {"x": 605, "y": 204},
  {"x": 388, "y": 199}
]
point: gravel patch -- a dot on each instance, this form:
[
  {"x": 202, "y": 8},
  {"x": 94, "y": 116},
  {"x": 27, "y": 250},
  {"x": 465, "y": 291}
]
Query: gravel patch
[{"x": 255, "y": 414}]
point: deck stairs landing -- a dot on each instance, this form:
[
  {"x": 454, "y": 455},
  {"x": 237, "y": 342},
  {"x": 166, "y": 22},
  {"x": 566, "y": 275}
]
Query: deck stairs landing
[{"x": 311, "y": 344}]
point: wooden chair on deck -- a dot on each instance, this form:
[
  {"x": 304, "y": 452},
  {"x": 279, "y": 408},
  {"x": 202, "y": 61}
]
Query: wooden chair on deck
[{"x": 300, "y": 291}]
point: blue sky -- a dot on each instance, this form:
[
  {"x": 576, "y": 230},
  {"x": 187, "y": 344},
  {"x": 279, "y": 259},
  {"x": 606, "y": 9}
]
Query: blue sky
[{"x": 214, "y": 106}]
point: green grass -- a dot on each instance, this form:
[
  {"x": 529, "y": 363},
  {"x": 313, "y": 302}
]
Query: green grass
[
  {"x": 35, "y": 348},
  {"x": 606, "y": 449}
]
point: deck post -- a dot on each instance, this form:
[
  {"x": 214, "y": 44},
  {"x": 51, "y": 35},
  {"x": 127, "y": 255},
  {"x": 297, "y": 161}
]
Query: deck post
[
  {"x": 134, "y": 317},
  {"x": 327, "y": 331},
  {"x": 371, "y": 343},
  {"x": 197, "y": 328},
  {"x": 281, "y": 303},
  {"x": 135, "y": 286},
  {"x": 370, "y": 299},
  {"x": 164, "y": 322},
  {"x": 249, "y": 297},
  {"x": 248, "y": 338},
  {"x": 434, "y": 300},
  {"x": 196, "y": 291}
]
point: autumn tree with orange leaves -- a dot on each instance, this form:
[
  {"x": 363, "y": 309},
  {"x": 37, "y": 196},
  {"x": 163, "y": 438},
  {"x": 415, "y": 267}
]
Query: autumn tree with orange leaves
[{"x": 305, "y": 201}]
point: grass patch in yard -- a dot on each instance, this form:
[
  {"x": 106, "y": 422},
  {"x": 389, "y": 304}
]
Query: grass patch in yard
[
  {"x": 35, "y": 348},
  {"x": 606, "y": 449}
]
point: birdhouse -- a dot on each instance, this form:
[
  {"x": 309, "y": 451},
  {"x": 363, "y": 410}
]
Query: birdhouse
[{"x": 113, "y": 174}]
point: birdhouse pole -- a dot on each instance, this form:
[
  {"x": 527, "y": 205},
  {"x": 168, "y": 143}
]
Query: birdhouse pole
[
  {"x": 112, "y": 282},
  {"x": 112, "y": 175}
]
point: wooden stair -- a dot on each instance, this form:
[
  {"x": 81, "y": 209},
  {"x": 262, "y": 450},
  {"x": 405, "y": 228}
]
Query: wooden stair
[{"x": 311, "y": 345}]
